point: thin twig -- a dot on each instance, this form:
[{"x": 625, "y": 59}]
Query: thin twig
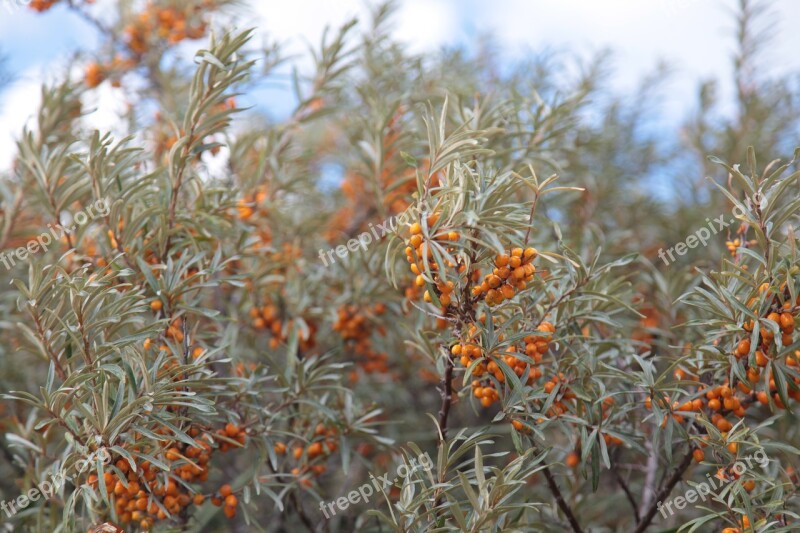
[
  {"x": 530, "y": 219},
  {"x": 447, "y": 396},
  {"x": 677, "y": 475},
  {"x": 562, "y": 504},
  {"x": 628, "y": 493}
]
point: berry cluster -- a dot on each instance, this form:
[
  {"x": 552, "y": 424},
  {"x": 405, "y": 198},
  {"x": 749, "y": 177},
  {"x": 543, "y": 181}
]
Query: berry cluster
[
  {"x": 252, "y": 204},
  {"x": 732, "y": 398},
  {"x": 785, "y": 324},
  {"x": 485, "y": 389},
  {"x": 164, "y": 24},
  {"x": 512, "y": 272},
  {"x": 44, "y": 5},
  {"x": 224, "y": 496},
  {"x": 420, "y": 251},
  {"x": 97, "y": 73},
  {"x": 736, "y": 243},
  {"x": 311, "y": 457},
  {"x": 268, "y": 318},
  {"x": 356, "y": 330},
  {"x": 144, "y": 493},
  {"x": 536, "y": 346}
]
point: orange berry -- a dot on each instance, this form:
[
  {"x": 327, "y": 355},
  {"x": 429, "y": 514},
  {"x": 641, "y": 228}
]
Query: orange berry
[
  {"x": 156, "y": 305},
  {"x": 231, "y": 501},
  {"x": 743, "y": 348},
  {"x": 698, "y": 455},
  {"x": 314, "y": 449},
  {"x": 225, "y": 490},
  {"x": 572, "y": 460}
]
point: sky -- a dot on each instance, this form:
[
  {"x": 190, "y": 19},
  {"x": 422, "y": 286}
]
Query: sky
[{"x": 695, "y": 37}]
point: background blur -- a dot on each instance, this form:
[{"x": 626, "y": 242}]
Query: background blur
[{"x": 694, "y": 38}]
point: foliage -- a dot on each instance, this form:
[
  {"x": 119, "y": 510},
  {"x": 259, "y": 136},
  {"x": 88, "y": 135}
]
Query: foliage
[{"x": 248, "y": 339}]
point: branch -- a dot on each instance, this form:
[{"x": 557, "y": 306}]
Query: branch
[
  {"x": 650, "y": 478},
  {"x": 447, "y": 396},
  {"x": 628, "y": 493},
  {"x": 677, "y": 475},
  {"x": 563, "y": 505},
  {"x": 60, "y": 372}
]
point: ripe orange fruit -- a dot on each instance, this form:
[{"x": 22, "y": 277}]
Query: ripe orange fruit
[
  {"x": 225, "y": 490},
  {"x": 156, "y": 305},
  {"x": 572, "y": 460}
]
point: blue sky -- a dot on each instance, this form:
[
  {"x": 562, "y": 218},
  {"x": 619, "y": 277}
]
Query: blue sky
[{"x": 694, "y": 36}]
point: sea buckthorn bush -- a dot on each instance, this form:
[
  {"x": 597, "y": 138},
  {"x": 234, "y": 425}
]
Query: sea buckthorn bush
[{"x": 493, "y": 297}]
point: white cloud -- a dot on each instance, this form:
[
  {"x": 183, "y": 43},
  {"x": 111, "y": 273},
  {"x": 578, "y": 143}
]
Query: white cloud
[
  {"x": 427, "y": 24},
  {"x": 421, "y": 24},
  {"x": 18, "y": 107}
]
